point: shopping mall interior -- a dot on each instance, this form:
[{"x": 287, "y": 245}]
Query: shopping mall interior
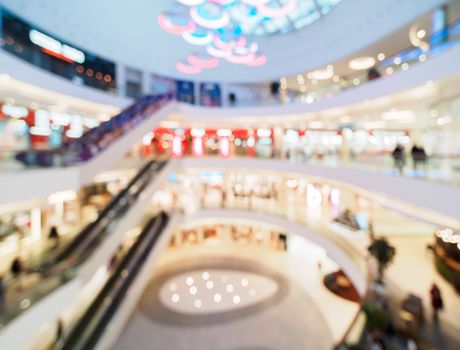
[{"x": 230, "y": 175}]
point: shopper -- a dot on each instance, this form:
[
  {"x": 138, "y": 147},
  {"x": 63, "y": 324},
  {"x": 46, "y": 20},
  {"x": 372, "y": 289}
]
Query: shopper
[
  {"x": 16, "y": 271},
  {"x": 59, "y": 330},
  {"x": 16, "y": 267},
  {"x": 399, "y": 157},
  {"x": 436, "y": 302},
  {"x": 54, "y": 236}
]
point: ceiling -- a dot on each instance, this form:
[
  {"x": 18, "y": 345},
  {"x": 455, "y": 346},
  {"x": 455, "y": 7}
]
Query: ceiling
[{"x": 130, "y": 34}]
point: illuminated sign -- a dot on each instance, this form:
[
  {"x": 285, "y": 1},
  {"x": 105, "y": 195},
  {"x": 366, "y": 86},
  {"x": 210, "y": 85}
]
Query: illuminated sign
[{"x": 55, "y": 48}]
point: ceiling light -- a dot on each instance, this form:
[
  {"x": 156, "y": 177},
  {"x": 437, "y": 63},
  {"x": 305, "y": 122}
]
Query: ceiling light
[
  {"x": 189, "y": 281},
  {"x": 236, "y": 299},
  {"x": 336, "y": 78},
  {"x": 381, "y": 56},
  {"x": 175, "y": 298},
  {"x": 362, "y": 63},
  {"x": 405, "y": 66},
  {"x": 421, "y": 34},
  {"x": 422, "y": 57},
  {"x": 229, "y": 288},
  {"x": 397, "y": 60},
  {"x": 193, "y": 290},
  {"x": 389, "y": 70},
  {"x": 217, "y": 298},
  {"x": 205, "y": 275},
  {"x": 444, "y": 120},
  {"x": 322, "y": 74},
  {"x": 198, "y": 303}
]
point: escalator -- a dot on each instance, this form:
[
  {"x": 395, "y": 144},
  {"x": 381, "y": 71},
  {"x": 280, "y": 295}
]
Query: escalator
[
  {"x": 60, "y": 268},
  {"x": 91, "y": 326},
  {"x": 96, "y": 140}
]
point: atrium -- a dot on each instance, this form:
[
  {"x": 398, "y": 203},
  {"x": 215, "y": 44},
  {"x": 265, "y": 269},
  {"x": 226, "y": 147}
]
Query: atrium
[{"x": 230, "y": 175}]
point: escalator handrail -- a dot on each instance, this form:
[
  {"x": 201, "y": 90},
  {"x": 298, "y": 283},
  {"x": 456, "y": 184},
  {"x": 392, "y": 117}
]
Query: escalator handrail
[
  {"x": 152, "y": 230},
  {"x": 88, "y": 229}
]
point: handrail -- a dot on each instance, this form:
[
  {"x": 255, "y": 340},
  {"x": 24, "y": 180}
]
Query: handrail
[
  {"x": 92, "y": 324},
  {"x": 61, "y": 268}
]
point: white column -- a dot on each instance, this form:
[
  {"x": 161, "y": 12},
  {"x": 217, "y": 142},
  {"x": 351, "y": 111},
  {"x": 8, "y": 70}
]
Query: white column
[
  {"x": 120, "y": 71},
  {"x": 36, "y": 223}
]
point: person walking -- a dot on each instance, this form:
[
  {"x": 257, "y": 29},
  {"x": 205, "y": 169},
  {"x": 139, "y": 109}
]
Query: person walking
[
  {"x": 436, "y": 302},
  {"x": 54, "y": 236},
  {"x": 399, "y": 157},
  {"x": 16, "y": 270}
]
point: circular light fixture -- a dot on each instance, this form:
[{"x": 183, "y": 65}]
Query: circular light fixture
[
  {"x": 258, "y": 61},
  {"x": 218, "y": 53},
  {"x": 361, "y": 63},
  {"x": 191, "y": 2},
  {"x": 175, "y": 24},
  {"x": 187, "y": 69},
  {"x": 275, "y": 12},
  {"x": 210, "y": 15},
  {"x": 241, "y": 59},
  {"x": 198, "y": 37}
]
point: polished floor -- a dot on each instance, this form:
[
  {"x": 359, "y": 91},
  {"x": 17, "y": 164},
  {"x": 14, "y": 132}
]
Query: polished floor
[{"x": 291, "y": 319}]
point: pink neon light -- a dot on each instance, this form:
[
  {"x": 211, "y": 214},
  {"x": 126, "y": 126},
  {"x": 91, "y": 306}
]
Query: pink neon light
[
  {"x": 258, "y": 61},
  {"x": 177, "y": 146},
  {"x": 203, "y": 63},
  {"x": 184, "y": 68},
  {"x": 167, "y": 26},
  {"x": 224, "y": 147},
  {"x": 272, "y": 12},
  {"x": 241, "y": 41},
  {"x": 241, "y": 59},
  {"x": 198, "y": 148},
  {"x": 223, "y": 45}
]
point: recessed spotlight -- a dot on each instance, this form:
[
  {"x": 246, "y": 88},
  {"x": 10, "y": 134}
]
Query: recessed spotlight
[
  {"x": 244, "y": 282},
  {"x": 389, "y": 70},
  {"x": 405, "y": 66},
  {"x": 229, "y": 288},
  {"x": 198, "y": 303},
  {"x": 252, "y": 292},
  {"x": 397, "y": 60},
  {"x": 381, "y": 56},
  {"x": 175, "y": 298},
  {"x": 193, "y": 290},
  {"x": 217, "y": 298},
  {"x": 236, "y": 299},
  {"x": 205, "y": 276},
  {"x": 421, "y": 33},
  {"x": 336, "y": 78},
  {"x": 210, "y": 284},
  {"x": 173, "y": 287},
  {"x": 189, "y": 281}
]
